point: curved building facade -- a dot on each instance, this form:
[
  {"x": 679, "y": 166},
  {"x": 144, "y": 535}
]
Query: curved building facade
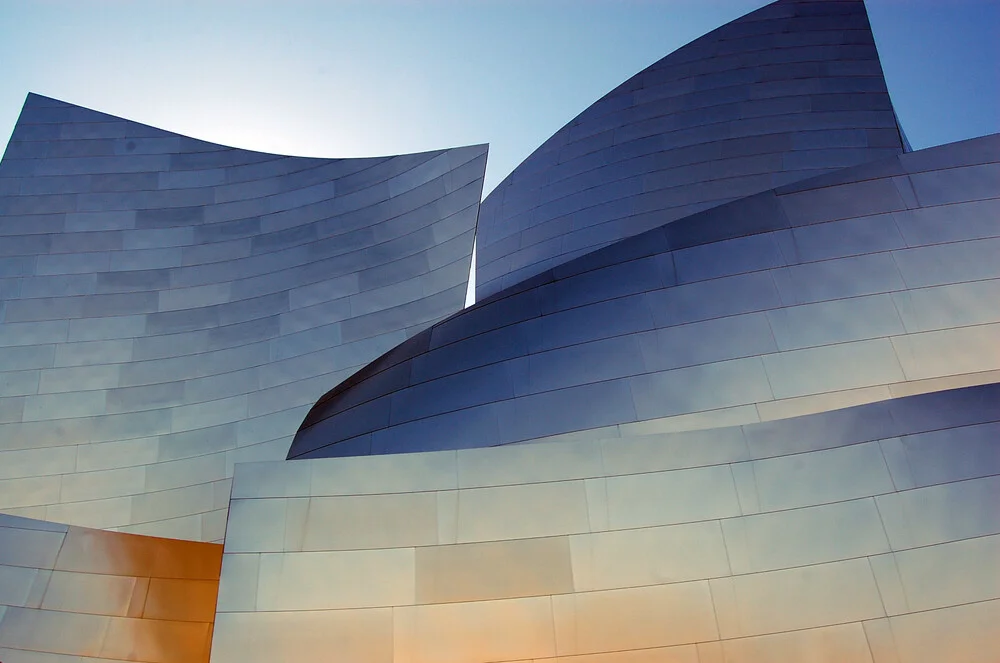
[
  {"x": 863, "y": 285},
  {"x": 172, "y": 307},
  {"x": 792, "y": 90},
  {"x": 731, "y": 394},
  {"x": 867, "y": 534},
  {"x": 77, "y": 594}
]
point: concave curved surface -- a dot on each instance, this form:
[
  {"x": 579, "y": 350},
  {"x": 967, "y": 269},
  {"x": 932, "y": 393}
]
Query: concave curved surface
[
  {"x": 787, "y": 92},
  {"x": 171, "y": 307},
  {"x": 863, "y": 535},
  {"x": 868, "y": 284}
]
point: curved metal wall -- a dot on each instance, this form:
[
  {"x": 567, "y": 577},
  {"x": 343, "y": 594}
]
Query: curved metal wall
[
  {"x": 864, "y": 535},
  {"x": 792, "y": 90},
  {"x": 764, "y": 431},
  {"x": 867, "y": 284},
  {"x": 170, "y": 307},
  {"x": 71, "y": 594}
]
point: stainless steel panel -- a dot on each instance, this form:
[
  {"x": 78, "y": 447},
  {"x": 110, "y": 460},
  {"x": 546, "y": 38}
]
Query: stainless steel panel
[
  {"x": 704, "y": 387},
  {"x": 837, "y": 321},
  {"x": 821, "y": 477},
  {"x": 838, "y": 279},
  {"x": 682, "y": 106},
  {"x": 832, "y": 368},
  {"x": 648, "y": 556},
  {"x": 659, "y": 498},
  {"x": 715, "y": 340},
  {"x": 804, "y": 536},
  {"x": 178, "y": 237},
  {"x": 938, "y": 514},
  {"x": 950, "y": 574},
  {"x": 949, "y": 352},
  {"x": 943, "y": 307},
  {"x": 494, "y": 570},
  {"x": 963, "y": 633},
  {"x": 335, "y": 580},
  {"x": 803, "y": 597},
  {"x": 638, "y": 618},
  {"x": 522, "y": 511}
]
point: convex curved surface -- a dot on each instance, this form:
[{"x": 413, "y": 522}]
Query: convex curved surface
[
  {"x": 789, "y": 91},
  {"x": 868, "y": 534},
  {"x": 171, "y": 307},
  {"x": 871, "y": 283}
]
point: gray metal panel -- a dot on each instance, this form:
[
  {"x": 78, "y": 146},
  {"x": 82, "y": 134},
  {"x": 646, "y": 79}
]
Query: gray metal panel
[
  {"x": 724, "y": 117},
  {"x": 797, "y": 300},
  {"x": 157, "y": 273},
  {"x": 801, "y": 551}
]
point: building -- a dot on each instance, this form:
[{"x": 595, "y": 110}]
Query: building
[{"x": 729, "y": 392}]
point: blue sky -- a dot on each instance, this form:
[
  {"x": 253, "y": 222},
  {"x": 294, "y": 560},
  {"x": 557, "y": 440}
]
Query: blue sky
[{"x": 376, "y": 77}]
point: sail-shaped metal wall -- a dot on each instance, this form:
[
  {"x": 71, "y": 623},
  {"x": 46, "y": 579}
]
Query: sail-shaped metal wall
[
  {"x": 762, "y": 409},
  {"x": 874, "y": 282},
  {"x": 171, "y": 306},
  {"x": 792, "y": 90},
  {"x": 863, "y": 535}
]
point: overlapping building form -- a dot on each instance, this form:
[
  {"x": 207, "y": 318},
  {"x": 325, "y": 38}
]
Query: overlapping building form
[
  {"x": 792, "y": 90},
  {"x": 730, "y": 393}
]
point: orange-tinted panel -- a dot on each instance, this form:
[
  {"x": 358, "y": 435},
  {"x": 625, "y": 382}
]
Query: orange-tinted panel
[
  {"x": 98, "y": 551},
  {"x": 181, "y": 600},
  {"x": 110, "y": 596}
]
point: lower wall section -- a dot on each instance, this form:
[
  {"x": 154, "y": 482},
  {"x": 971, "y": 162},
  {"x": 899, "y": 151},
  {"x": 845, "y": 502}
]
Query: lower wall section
[
  {"x": 869, "y": 534},
  {"x": 70, "y": 594}
]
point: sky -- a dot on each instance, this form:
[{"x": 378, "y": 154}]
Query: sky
[
  {"x": 373, "y": 77},
  {"x": 344, "y": 78}
]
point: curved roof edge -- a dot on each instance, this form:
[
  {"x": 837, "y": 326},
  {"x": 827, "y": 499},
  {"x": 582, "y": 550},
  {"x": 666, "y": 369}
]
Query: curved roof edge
[
  {"x": 172, "y": 307},
  {"x": 753, "y": 306},
  {"x": 789, "y": 91},
  {"x": 74, "y": 113}
]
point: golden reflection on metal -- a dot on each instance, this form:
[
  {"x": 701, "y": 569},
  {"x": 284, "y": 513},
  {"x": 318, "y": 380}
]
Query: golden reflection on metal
[
  {"x": 805, "y": 540},
  {"x": 106, "y": 595}
]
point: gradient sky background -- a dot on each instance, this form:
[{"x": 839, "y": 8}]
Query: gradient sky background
[
  {"x": 363, "y": 78},
  {"x": 369, "y": 77}
]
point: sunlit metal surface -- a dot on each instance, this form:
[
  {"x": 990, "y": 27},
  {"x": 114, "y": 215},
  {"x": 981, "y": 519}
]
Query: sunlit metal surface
[
  {"x": 848, "y": 535},
  {"x": 171, "y": 307},
  {"x": 70, "y": 592}
]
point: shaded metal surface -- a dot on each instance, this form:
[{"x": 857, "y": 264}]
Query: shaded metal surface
[
  {"x": 863, "y": 285},
  {"x": 789, "y": 91},
  {"x": 866, "y": 534},
  {"x": 69, "y": 592},
  {"x": 171, "y": 307}
]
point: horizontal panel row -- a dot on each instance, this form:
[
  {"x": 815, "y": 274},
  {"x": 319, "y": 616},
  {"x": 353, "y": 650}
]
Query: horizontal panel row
[
  {"x": 840, "y": 601},
  {"x": 111, "y": 595},
  {"x": 524, "y": 394},
  {"x": 916, "y": 434},
  {"x": 107, "y": 638},
  {"x": 172, "y": 305},
  {"x": 78, "y": 592},
  {"x": 961, "y": 633},
  {"x": 325, "y": 580},
  {"x": 654, "y": 499}
]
